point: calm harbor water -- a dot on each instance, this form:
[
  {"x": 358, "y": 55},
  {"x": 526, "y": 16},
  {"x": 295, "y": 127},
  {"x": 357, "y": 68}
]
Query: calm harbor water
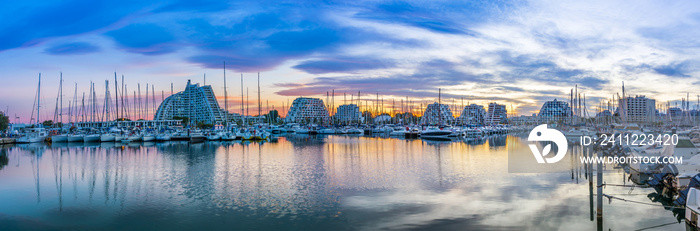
[{"x": 301, "y": 182}]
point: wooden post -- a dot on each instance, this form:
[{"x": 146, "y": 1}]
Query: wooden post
[{"x": 600, "y": 193}]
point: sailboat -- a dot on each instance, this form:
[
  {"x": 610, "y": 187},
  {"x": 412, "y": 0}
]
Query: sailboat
[
  {"x": 226, "y": 135},
  {"x": 259, "y": 133},
  {"x": 59, "y": 138},
  {"x": 37, "y": 133}
]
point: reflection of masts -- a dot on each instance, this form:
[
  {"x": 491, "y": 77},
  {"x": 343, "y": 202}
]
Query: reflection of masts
[
  {"x": 58, "y": 177},
  {"x": 259, "y": 177},
  {"x": 92, "y": 176},
  {"x": 35, "y": 174},
  {"x": 107, "y": 177},
  {"x": 439, "y": 155},
  {"x": 227, "y": 171}
]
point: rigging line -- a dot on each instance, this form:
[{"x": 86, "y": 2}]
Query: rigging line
[
  {"x": 622, "y": 185},
  {"x": 657, "y": 226},
  {"x": 610, "y": 197}
]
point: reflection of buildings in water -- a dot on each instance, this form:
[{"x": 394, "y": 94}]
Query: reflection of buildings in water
[
  {"x": 305, "y": 175},
  {"x": 379, "y": 164},
  {"x": 498, "y": 141},
  {"x": 438, "y": 142},
  {"x": 277, "y": 178},
  {"x": 300, "y": 140},
  {"x": 475, "y": 141}
]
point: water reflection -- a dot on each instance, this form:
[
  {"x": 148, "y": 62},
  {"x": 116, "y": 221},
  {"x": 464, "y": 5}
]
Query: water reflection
[
  {"x": 299, "y": 182},
  {"x": 4, "y": 159}
]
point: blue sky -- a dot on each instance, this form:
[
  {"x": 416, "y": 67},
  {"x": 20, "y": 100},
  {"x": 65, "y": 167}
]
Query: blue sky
[{"x": 519, "y": 53}]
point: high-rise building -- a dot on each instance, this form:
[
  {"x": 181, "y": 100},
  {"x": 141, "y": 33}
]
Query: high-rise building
[
  {"x": 554, "y": 111},
  {"x": 198, "y": 103},
  {"x": 472, "y": 114},
  {"x": 437, "y": 114},
  {"x": 348, "y": 113},
  {"x": 497, "y": 114},
  {"x": 675, "y": 112},
  {"x": 307, "y": 110},
  {"x": 639, "y": 109}
]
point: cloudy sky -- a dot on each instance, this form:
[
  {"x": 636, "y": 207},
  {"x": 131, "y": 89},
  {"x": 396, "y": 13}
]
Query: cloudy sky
[{"x": 519, "y": 53}]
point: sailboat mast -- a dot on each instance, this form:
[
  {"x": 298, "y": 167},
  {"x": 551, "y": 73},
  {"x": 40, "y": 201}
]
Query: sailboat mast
[
  {"x": 74, "y": 110},
  {"x": 242, "y": 105},
  {"x": 90, "y": 104},
  {"x": 116, "y": 97},
  {"x": 225, "y": 98},
  {"x": 125, "y": 107},
  {"x": 106, "y": 107},
  {"x": 140, "y": 114},
  {"x": 135, "y": 111},
  {"x": 82, "y": 108},
  {"x": 247, "y": 96},
  {"x": 259, "y": 103},
  {"x": 94, "y": 104},
  {"x": 440, "y": 106},
  {"x": 146, "y": 104},
  {"x": 38, "y": 99},
  {"x": 60, "y": 89},
  {"x": 124, "y": 92}
]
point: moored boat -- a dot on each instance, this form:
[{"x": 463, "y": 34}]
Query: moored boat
[
  {"x": 435, "y": 133},
  {"x": 75, "y": 138},
  {"x": 59, "y": 138},
  {"x": 107, "y": 138},
  {"x": 91, "y": 138}
]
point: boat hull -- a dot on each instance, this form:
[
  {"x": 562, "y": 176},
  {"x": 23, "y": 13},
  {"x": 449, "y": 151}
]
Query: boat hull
[
  {"x": 107, "y": 138},
  {"x": 59, "y": 138},
  {"x": 213, "y": 137},
  {"x": 26, "y": 140},
  {"x": 91, "y": 138},
  {"x": 134, "y": 138},
  {"x": 163, "y": 138},
  {"x": 77, "y": 138}
]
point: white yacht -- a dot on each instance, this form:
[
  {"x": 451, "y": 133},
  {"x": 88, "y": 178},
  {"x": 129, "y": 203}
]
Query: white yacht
[
  {"x": 59, "y": 138},
  {"x": 32, "y": 135},
  {"x": 692, "y": 208},
  {"x": 214, "y": 136},
  {"x": 91, "y": 138},
  {"x": 135, "y": 137},
  {"x": 228, "y": 136},
  {"x": 326, "y": 131},
  {"x": 76, "y": 138},
  {"x": 399, "y": 131},
  {"x": 148, "y": 137},
  {"x": 435, "y": 133},
  {"x": 163, "y": 137},
  {"x": 107, "y": 137}
]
